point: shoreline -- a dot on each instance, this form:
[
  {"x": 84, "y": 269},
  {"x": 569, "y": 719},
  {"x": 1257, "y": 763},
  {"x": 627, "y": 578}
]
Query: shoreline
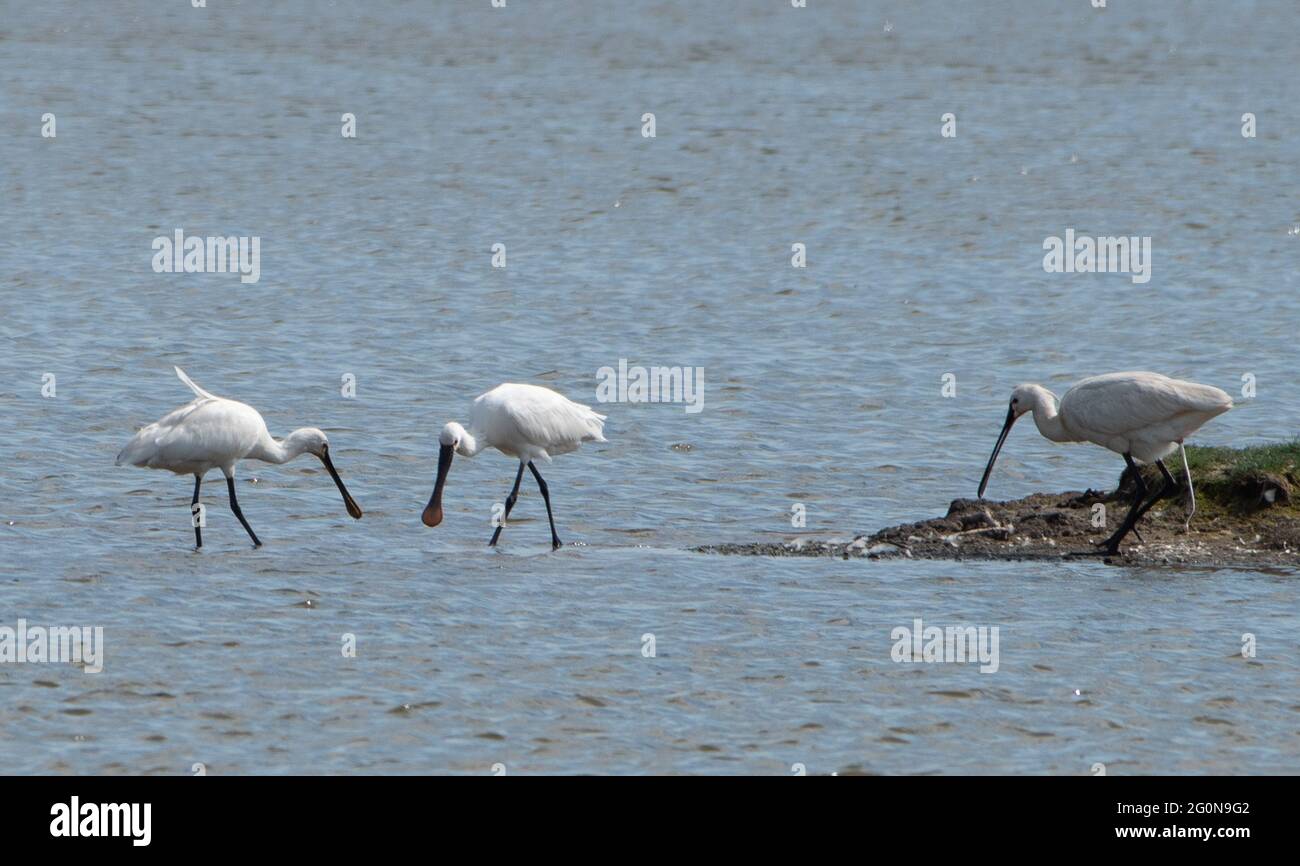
[{"x": 1240, "y": 521}]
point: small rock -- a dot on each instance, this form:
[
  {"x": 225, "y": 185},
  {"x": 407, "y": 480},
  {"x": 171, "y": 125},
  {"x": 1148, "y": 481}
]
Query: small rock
[
  {"x": 977, "y": 520},
  {"x": 959, "y": 505}
]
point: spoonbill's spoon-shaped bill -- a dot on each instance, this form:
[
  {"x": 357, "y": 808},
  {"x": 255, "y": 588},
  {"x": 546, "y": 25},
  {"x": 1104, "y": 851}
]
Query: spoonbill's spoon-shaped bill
[
  {"x": 526, "y": 422},
  {"x": 1141, "y": 416},
  {"x": 432, "y": 515},
  {"x": 212, "y": 432}
]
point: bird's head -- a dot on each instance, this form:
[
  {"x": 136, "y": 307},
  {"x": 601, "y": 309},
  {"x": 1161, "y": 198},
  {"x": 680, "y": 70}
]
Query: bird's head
[
  {"x": 1024, "y": 398},
  {"x": 453, "y": 435},
  {"x": 312, "y": 440}
]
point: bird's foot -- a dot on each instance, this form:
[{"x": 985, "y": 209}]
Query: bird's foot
[
  {"x": 1108, "y": 547},
  {"x": 556, "y": 544}
]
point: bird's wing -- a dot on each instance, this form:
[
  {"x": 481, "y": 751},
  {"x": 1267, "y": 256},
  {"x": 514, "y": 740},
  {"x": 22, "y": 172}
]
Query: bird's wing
[
  {"x": 1123, "y": 403},
  {"x": 536, "y": 415},
  {"x": 198, "y": 392},
  {"x": 144, "y": 446},
  {"x": 207, "y": 429},
  {"x": 146, "y": 441}
]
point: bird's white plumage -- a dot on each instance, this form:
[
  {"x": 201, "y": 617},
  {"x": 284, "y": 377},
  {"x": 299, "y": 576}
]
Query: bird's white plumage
[
  {"x": 198, "y": 392},
  {"x": 1145, "y": 414},
  {"x": 209, "y": 432},
  {"x": 531, "y": 422}
]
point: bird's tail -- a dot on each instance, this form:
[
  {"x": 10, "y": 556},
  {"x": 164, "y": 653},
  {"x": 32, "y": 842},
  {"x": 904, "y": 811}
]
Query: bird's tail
[
  {"x": 595, "y": 425},
  {"x": 133, "y": 453}
]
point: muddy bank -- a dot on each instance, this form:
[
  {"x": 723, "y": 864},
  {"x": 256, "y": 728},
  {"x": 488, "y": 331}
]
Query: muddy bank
[{"x": 1255, "y": 527}]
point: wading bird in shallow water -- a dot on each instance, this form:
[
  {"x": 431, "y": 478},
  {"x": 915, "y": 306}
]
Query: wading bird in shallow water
[
  {"x": 526, "y": 422},
  {"x": 1143, "y": 416},
  {"x": 211, "y": 432}
]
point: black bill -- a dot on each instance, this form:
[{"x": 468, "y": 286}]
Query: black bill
[
  {"x": 432, "y": 515},
  {"x": 1002, "y": 437},
  {"x": 353, "y": 509}
]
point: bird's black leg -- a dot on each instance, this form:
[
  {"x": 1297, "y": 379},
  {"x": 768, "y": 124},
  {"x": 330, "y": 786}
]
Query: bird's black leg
[
  {"x": 510, "y": 503},
  {"x": 1169, "y": 488},
  {"x": 1110, "y": 546},
  {"x": 234, "y": 506},
  {"x": 194, "y": 516},
  {"x": 546, "y": 495}
]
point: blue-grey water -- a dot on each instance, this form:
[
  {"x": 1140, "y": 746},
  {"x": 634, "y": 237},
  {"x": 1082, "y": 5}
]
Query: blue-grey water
[{"x": 522, "y": 126}]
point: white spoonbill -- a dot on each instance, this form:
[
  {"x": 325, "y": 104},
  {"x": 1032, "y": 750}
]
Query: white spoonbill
[
  {"x": 526, "y": 422},
  {"x": 212, "y": 432},
  {"x": 1143, "y": 416}
]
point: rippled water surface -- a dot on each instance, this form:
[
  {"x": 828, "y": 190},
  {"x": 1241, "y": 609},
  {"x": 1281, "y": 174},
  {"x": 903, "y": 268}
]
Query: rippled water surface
[{"x": 522, "y": 126}]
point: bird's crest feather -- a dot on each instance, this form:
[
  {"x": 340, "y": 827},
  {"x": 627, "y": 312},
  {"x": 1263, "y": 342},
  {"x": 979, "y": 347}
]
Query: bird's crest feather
[{"x": 193, "y": 387}]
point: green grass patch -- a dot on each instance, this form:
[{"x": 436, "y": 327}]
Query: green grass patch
[{"x": 1239, "y": 479}]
